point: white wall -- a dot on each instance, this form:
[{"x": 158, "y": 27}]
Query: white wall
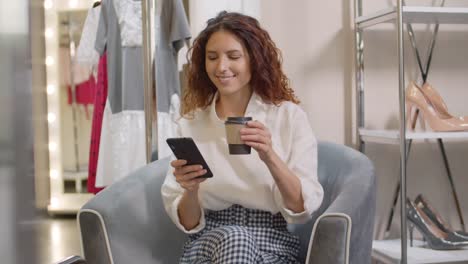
[
  {"x": 313, "y": 37},
  {"x": 317, "y": 41}
]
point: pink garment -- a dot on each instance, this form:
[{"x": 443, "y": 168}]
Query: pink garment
[
  {"x": 98, "y": 114},
  {"x": 85, "y": 93}
]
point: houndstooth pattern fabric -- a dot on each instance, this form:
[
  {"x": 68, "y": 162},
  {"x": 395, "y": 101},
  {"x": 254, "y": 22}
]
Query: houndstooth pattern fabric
[{"x": 242, "y": 236}]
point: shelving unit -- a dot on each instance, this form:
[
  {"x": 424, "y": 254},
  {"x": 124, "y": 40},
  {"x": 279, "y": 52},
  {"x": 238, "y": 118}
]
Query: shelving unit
[
  {"x": 393, "y": 136},
  {"x": 396, "y": 251}
]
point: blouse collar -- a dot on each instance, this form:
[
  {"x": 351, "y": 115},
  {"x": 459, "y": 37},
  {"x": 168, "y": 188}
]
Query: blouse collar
[{"x": 255, "y": 104}]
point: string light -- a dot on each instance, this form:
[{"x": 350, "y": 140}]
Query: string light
[
  {"x": 54, "y": 174},
  {"x": 50, "y": 89},
  {"x": 51, "y": 117},
  {"x": 49, "y": 61},
  {"x": 73, "y": 3},
  {"x": 48, "y": 4},
  {"x": 53, "y": 201},
  {"x": 52, "y": 146},
  {"x": 49, "y": 33}
]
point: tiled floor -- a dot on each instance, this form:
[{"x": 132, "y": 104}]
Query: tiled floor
[{"x": 37, "y": 239}]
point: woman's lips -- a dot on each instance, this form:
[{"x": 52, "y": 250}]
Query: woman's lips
[{"x": 225, "y": 79}]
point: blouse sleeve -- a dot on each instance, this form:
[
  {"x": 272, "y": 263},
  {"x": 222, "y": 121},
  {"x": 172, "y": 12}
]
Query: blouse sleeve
[
  {"x": 172, "y": 193},
  {"x": 180, "y": 29},
  {"x": 303, "y": 163},
  {"x": 101, "y": 34}
]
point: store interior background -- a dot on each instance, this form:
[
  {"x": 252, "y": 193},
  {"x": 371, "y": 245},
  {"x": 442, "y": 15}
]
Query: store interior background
[{"x": 317, "y": 43}]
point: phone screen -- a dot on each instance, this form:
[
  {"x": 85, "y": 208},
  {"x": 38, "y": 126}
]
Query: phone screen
[{"x": 185, "y": 148}]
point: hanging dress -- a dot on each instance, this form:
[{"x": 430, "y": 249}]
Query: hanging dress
[
  {"x": 98, "y": 114},
  {"x": 122, "y": 143}
]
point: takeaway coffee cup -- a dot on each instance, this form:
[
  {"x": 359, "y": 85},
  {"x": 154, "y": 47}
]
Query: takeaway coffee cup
[{"x": 233, "y": 126}]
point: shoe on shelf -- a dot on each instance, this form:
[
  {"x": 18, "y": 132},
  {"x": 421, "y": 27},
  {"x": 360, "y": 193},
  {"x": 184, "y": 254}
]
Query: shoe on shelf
[
  {"x": 437, "y": 102},
  {"x": 435, "y": 217},
  {"x": 416, "y": 100},
  {"x": 434, "y": 236}
]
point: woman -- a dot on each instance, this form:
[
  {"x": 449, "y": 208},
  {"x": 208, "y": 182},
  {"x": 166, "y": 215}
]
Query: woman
[{"x": 240, "y": 214}]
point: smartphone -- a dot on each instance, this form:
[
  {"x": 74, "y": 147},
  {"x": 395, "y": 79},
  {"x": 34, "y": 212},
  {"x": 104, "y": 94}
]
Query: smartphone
[{"x": 185, "y": 148}]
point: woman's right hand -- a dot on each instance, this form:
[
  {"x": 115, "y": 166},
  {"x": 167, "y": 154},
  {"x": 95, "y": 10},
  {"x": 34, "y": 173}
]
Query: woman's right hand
[{"x": 186, "y": 175}]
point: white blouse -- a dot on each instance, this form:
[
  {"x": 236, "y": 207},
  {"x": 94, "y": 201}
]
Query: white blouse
[
  {"x": 85, "y": 53},
  {"x": 245, "y": 179}
]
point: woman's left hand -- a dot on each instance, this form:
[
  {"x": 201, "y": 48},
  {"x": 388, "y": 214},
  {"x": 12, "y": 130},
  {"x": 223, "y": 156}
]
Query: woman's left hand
[{"x": 257, "y": 135}]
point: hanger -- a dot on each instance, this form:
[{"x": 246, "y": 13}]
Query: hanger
[{"x": 96, "y": 4}]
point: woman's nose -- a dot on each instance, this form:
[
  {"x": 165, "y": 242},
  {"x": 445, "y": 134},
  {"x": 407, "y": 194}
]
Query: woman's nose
[{"x": 222, "y": 65}]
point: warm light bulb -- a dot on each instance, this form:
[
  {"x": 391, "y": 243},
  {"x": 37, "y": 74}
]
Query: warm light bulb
[
  {"x": 53, "y": 201},
  {"x": 51, "y": 117},
  {"x": 48, "y": 4},
  {"x": 54, "y": 174},
  {"x": 50, "y": 89},
  {"x": 49, "y": 61},
  {"x": 73, "y": 3},
  {"x": 52, "y": 146},
  {"x": 49, "y": 33},
  {"x": 72, "y": 49}
]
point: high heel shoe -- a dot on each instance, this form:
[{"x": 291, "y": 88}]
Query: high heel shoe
[
  {"x": 438, "y": 103},
  {"x": 435, "y": 237},
  {"x": 424, "y": 205},
  {"x": 415, "y": 99}
]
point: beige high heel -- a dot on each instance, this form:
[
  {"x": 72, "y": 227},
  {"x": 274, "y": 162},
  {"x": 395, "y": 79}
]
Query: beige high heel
[
  {"x": 438, "y": 103},
  {"x": 416, "y": 100}
]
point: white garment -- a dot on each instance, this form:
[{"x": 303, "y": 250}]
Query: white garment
[
  {"x": 129, "y": 17},
  {"x": 166, "y": 126},
  {"x": 122, "y": 146},
  {"x": 245, "y": 179},
  {"x": 81, "y": 73},
  {"x": 86, "y": 54}
]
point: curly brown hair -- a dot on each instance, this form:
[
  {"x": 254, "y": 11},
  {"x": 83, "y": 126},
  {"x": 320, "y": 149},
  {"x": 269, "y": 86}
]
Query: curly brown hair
[{"x": 268, "y": 79}]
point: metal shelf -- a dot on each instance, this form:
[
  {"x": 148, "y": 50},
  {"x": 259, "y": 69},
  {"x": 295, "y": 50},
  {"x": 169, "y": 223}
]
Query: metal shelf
[
  {"x": 393, "y": 136},
  {"x": 416, "y": 14},
  {"x": 401, "y": 15},
  {"x": 389, "y": 251}
]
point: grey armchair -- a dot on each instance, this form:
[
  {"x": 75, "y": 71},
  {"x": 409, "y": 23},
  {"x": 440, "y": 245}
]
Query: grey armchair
[{"x": 126, "y": 222}]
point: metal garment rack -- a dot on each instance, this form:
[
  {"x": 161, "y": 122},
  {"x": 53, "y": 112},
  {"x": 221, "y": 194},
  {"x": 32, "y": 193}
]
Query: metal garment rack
[
  {"x": 73, "y": 94},
  {"x": 401, "y": 14},
  {"x": 148, "y": 78}
]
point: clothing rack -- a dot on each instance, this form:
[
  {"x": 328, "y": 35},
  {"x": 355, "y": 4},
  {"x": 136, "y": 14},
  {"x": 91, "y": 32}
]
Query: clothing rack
[
  {"x": 69, "y": 35},
  {"x": 148, "y": 79},
  {"x": 68, "y": 40}
]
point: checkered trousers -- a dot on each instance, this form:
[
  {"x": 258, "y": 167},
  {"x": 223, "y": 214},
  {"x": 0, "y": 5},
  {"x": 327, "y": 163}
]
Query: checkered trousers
[{"x": 242, "y": 236}]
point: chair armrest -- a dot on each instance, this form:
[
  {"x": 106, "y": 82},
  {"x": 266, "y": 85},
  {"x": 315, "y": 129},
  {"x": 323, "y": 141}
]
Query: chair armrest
[
  {"x": 127, "y": 223},
  {"x": 348, "y": 178},
  {"x": 356, "y": 199},
  {"x": 330, "y": 239},
  {"x": 72, "y": 260}
]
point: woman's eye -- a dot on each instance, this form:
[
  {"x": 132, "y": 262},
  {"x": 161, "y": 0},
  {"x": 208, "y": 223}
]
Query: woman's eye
[
  {"x": 235, "y": 58},
  {"x": 212, "y": 58}
]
